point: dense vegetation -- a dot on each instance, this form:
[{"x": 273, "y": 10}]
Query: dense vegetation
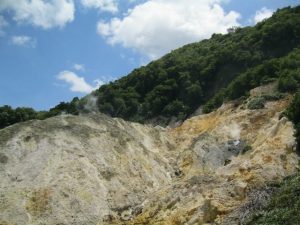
[
  {"x": 284, "y": 206},
  {"x": 285, "y": 70},
  {"x": 181, "y": 81},
  {"x": 9, "y": 116}
]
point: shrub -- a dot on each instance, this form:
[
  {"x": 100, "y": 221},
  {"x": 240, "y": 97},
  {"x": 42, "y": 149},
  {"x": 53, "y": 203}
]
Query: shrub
[
  {"x": 246, "y": 149},
  {"x": 267, "y": 80},
  {"x": 256, "y": 103},
  {"x": 293, "y": 113},
  {"x": 273, "y": 97},
  {"x": 284, "y": 206},
  {"x": 287, "y": 83}
]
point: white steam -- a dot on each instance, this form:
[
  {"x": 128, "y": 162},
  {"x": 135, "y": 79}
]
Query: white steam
[
  {"x": 91, "y": 104},
  {"x": 233, "y": 130}
]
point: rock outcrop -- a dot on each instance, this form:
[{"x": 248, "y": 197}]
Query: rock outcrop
[{"x": 93, "y": 169}]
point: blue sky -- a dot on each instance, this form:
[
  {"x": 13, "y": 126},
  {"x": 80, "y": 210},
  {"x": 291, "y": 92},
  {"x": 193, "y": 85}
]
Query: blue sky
[{"x": 54, "y": 50}]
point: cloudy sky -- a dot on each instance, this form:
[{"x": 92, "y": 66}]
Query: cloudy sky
[{"x": 54, "y": 50}]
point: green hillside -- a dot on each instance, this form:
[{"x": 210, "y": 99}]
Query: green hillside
[{"x": 181, "y": 81}]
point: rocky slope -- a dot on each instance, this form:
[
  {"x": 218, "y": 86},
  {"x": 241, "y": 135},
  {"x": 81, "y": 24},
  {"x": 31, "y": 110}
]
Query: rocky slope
[{"x": 93, "y": 169}]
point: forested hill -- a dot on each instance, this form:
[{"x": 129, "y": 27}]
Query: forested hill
[
  {"x": 204, "y": 74},
  {"x": 188, "y": 77}
]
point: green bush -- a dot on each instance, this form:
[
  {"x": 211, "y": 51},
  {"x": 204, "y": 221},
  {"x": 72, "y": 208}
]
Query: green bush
[
  {"x": 293, "y": 113},
  {"x": 284, "y": 207},
  {"x": 267, "y": 80},
  {"x": 256, "y": 103},
  {"x": 246, "y": 149},
  {"x": 287, "y": 83},
  {"x": 273, "y": 97}
]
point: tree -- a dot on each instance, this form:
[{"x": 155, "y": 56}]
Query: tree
[
  {"x": 287, "y": 83},
  {"x": 194, "y": 94},
  {"x": 174, "y": 108}
]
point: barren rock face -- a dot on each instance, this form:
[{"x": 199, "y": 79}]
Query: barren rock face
[
  {"x": 93, "y": 169},
  {"x": 79, "y": 170}
]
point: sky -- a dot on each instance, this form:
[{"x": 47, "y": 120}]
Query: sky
[{"x": 54, "y": 50}]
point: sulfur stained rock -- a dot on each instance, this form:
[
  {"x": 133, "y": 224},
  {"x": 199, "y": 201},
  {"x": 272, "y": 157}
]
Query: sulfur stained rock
[
  {"x": 38, "y": 203},
  {"x": 79, "y": 170},
  {"x": 210, "y": 212},
  {"x": 240, "y": 189},
  {"x": 96, "y": 170}
]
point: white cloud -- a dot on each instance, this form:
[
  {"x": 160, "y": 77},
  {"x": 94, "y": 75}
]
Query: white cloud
[
  {"x": 262, "y": 14},
  {"x": 104, "y": 5},
  {"x": 46, "y": 14},
  {"x": 77, "y": 83},
  {"x": 24, "y": 41},
  {"x": 99, "y": 82},
  {"x": 79, "y": 67},
  {"x": 3, "y": 24},
  {"x": 155, "y": 27}
]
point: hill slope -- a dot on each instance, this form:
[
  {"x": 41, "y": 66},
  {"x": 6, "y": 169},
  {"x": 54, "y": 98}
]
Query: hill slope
[
  {"x": 188, "y": 77},
  {"x": 94, "y": 170}
]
